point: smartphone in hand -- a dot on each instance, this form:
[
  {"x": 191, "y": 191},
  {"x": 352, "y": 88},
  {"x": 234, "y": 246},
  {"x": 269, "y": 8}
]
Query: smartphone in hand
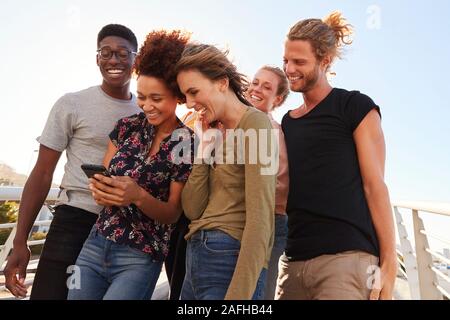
[{"x": 91, "y": 169}]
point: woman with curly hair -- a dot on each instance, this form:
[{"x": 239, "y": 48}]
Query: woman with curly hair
[{"x": 123, "y": 255}]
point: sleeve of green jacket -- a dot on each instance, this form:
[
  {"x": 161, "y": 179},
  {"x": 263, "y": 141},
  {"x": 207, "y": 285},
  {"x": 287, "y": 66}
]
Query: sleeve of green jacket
[
  {"x": 194, "y": 197},
  {"x": 257, "y": 239}
]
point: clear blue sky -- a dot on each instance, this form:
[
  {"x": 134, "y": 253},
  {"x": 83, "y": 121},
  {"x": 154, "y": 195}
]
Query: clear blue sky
[{"x": 399, "y": 58}]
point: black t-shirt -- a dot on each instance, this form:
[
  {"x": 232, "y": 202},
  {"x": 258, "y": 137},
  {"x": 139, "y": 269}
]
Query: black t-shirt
[{"x": 327, "y": 208}]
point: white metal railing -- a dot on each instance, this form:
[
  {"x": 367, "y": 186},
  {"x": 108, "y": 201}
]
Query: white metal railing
[
  {"x": 426, "y": 282},
  {"x": 15, "y": 194}
]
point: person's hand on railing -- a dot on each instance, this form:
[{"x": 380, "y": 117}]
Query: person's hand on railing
[
  {"x": 16, "y": 270},
  {"x": 383, "y": 287}
]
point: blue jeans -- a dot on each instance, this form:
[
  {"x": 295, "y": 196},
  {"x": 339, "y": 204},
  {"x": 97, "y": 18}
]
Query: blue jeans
[
  {"x": 279, "y": 245},
  {"x": 211, "y": 258},
  {"x": 110, "y": 271}
]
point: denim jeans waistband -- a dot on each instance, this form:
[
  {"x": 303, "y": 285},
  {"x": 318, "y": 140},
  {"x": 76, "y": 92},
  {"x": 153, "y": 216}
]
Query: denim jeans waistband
[{"x": 201, "y": 235}]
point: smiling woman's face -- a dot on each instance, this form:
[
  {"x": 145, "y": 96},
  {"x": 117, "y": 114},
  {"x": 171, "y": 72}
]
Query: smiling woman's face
[
  {"x": 202, "y": 94},
  {"x": 156, "y": 100},
  {"x": 262, "y": 92}
]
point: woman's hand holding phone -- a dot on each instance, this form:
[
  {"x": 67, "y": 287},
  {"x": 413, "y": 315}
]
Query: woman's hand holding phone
[
  {"x": 118, "y": 191},
  {"x": 91, "y": 169}
]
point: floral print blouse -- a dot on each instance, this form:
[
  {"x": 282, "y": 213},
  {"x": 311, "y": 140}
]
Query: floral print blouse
[{"x": 133, "y": 137}]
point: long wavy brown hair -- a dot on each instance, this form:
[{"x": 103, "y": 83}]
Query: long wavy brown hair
[{"x": 213, "y": 64}]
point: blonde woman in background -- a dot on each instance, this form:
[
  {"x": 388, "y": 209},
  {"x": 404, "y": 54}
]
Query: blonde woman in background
[{"x": 267, "y": 91}]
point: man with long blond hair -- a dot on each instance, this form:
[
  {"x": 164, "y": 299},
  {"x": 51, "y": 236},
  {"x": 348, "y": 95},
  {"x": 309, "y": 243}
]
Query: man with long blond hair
[{"x": 341, "y": 240}]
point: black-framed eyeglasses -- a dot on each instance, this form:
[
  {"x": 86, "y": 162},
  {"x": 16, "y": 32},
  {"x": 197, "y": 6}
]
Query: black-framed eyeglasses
[{"x": 123, "y": 54}]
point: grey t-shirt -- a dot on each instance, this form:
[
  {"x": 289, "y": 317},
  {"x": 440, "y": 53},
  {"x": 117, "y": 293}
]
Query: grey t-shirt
[{"x": 80, "y": 123}]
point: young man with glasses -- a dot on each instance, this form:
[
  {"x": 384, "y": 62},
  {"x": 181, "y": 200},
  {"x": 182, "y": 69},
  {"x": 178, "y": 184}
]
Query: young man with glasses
[{"x": 79, "y": 123}]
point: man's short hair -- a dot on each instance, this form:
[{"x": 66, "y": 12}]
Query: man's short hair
[{"x": 117, "y": 30}]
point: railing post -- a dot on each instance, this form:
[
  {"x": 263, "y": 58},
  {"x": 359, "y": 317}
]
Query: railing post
[
  {"x": 427, "y": 278},
  {"x": 8, "y": 246},
  {"x": 409, "y": 259}
]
